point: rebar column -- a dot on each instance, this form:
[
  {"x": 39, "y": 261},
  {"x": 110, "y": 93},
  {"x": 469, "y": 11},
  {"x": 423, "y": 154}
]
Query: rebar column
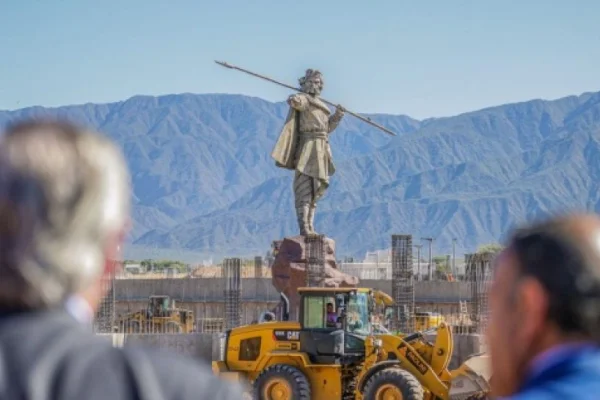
[
  {"x": 232, "y": 273},
  {"x": 479, "y": 273},
  {"x": 315, "y": 260},
  {"x": 258, "y": 265},
  {"x": 419, "y": 276},
  {"x": 403, "y": 288},
  {"x": 430, "y": 266},
  {"x": 105, "y": 316},
  {"x": 454, "y": 271}
]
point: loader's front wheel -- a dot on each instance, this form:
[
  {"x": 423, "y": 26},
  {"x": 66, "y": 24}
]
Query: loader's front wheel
[
  {"x": 393, "y": 384},
  {"x": 281, "y": 382}
]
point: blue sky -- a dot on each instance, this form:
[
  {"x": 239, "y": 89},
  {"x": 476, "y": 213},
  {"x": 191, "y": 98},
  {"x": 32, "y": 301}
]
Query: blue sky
[{"x": 421, "y": 58}]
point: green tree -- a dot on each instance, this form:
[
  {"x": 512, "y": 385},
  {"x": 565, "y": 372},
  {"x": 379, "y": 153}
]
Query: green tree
[
  {"x": 441, "y": 264},
  {"x": 161, "y": 265},
  {"x": 490, "y": 248}
]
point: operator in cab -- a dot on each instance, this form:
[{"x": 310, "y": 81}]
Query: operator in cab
[{"x": 332, "y": 317}]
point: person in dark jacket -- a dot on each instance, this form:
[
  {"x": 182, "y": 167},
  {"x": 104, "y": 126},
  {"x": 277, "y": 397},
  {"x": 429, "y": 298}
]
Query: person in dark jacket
[
  {"x": 64, "y": 209},
  {"x": 544, "y": 329}
]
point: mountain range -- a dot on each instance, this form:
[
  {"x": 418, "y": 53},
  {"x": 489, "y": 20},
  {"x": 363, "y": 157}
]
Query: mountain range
[{"x": 204, "y": 182}]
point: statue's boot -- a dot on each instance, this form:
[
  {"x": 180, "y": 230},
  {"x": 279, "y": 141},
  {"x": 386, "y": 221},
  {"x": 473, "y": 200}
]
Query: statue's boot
[
  {"x": 311, "y": 219},
  {"x": 302, "y": 215}
]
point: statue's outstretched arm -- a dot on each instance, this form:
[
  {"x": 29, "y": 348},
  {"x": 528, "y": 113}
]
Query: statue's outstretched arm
[
  {"x": 335, "y": 119},
  {"x": 298, "y": 102}
]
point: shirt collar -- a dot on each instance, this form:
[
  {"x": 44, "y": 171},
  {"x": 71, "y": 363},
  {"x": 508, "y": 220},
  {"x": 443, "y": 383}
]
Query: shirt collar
[
  {"x": 79, "y": 309},
  {"x": 553, "y": 356}
]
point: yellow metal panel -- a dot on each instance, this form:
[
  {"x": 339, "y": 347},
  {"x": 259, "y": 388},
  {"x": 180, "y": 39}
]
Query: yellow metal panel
[
  {"x": 411, "y": 361},
  {"x": 443, "y": 348}
]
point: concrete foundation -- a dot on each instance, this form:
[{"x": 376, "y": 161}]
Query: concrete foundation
[
  {"x": 205, "y": 346},
  {"x": 261, "y": 289}
]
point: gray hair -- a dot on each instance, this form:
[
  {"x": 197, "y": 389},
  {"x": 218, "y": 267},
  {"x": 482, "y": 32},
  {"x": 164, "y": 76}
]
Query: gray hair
[{"x": 64, "y": 194}]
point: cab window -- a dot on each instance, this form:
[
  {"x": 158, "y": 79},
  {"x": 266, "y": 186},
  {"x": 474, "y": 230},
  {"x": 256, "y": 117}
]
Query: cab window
[
  {"x": 313, "y": 312},
  {"x": 320, "y": 312}
]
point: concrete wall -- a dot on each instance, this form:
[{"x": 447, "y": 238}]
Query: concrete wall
[
  {"x": 192, "y": 289},
  {"x": 205, "y": 296},
  {"x": 204, "y": 346},
  {"x": 428, "y": 292},
  {"x": 250, "y": 310},
  {"x": 261, "y": 289}
]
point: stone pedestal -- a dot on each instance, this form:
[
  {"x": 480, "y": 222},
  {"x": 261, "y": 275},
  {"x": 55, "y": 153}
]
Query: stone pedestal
[{"x": 289, "y": 271}]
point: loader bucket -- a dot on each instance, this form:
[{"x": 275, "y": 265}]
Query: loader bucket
[{"x": 472, "y": 379}]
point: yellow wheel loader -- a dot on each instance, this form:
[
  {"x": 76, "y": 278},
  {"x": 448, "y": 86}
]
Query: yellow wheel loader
[
  {"x": 422, "y": 320},
  {"x": 333, "y": 353},
  {"x": 160, "y": 316}
]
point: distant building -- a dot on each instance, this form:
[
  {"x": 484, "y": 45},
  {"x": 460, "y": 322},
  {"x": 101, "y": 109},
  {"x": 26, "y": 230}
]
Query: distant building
[{"x": 134, "y": 269}]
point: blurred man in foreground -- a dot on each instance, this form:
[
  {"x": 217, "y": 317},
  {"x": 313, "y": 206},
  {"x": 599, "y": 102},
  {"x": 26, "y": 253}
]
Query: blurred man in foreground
[
  {"x": 64, "y": 206},
  {"x": 544, "y": 331}
]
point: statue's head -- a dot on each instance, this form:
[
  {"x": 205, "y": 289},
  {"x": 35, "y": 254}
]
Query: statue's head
[{"x": 312, "y": 82}]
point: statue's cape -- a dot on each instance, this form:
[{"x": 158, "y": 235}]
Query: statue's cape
[{"x": 285, "y": 147}]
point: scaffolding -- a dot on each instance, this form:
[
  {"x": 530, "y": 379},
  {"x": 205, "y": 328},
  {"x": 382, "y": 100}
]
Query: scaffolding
[
  {"x": 105, "y": 316},
  {"x": 315, "y": 260},
  {"x": 258, "y": 266},
  {"x": 232, "y": 272},
  {"x": 403, "y": 288},
  {"x": 479, "y": 274},
  {"x": 210, "y": 325}
]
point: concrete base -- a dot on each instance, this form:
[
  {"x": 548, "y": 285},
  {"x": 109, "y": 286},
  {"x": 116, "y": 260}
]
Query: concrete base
[{"x": 205, "y": 346}]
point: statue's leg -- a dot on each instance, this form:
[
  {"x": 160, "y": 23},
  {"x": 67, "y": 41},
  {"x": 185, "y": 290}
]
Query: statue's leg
[
  {"x": 319, "y": 188},
  {"x": 302, "y": 195},
  {"x": 313, "y": 206}
]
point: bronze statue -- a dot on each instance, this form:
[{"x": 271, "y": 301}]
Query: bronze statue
[{"x": 303, "y": 146}]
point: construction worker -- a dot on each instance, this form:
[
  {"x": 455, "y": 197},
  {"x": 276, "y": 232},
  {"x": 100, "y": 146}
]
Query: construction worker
[
  {"x": 64, "y": 209},
  {"x": 544, "y": 329},
  {"x": 332, "y": 317}
]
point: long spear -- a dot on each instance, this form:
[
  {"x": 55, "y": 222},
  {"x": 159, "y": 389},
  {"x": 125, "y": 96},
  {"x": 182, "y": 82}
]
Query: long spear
[{"x": 364, "y": 119}]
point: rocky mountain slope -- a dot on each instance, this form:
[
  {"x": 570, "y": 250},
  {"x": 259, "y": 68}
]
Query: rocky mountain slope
[{"x": 204, "y": 181}]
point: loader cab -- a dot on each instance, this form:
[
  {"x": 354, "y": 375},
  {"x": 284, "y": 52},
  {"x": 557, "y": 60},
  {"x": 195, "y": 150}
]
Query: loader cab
[
  {"x": 334, "y": 322},
  {"x": 159, "y": 306}
]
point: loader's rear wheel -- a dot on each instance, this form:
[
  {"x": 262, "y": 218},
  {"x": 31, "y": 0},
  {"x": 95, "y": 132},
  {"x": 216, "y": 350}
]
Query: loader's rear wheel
[
  {"x": 281, "y": 382},
  {"x": 172, "y": 327},
  {"x": 133, "y": 327},
  {"x": 393, "y": 384}
]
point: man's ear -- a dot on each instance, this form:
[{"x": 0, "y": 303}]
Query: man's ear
[
  {"x": 532, "y": 303},
  {"x": 113, "y": 251}
]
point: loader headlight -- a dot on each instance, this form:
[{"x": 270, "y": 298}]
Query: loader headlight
[{"x": 377, "y": 342}]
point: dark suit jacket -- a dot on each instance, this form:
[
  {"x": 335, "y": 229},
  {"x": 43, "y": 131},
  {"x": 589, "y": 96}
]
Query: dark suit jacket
[
  {"x": 576, "y": 376},
  {"x": 48, "y": 355}
]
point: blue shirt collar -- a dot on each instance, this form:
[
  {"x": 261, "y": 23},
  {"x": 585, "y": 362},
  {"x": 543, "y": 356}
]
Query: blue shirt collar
[{"x": 555, "y": 355}]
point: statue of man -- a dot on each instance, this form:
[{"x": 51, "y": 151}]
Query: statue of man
[{"x": 303, "y": 146}]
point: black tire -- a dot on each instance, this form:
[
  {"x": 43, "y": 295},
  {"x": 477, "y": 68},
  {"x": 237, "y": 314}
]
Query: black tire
[
  {"x": 172, "y": 327},
  {"x": 404, "y": 381},
  {"x": 133, "y": 327},
  {"x": 297, "y": 381}
]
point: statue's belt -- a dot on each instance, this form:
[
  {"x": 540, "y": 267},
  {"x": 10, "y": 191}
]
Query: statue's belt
[{"x": 314, "y": 135}]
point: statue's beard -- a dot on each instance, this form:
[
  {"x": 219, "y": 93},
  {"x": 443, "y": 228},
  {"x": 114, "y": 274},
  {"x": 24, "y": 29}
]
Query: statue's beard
[{"x": 312, "y": 89}]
